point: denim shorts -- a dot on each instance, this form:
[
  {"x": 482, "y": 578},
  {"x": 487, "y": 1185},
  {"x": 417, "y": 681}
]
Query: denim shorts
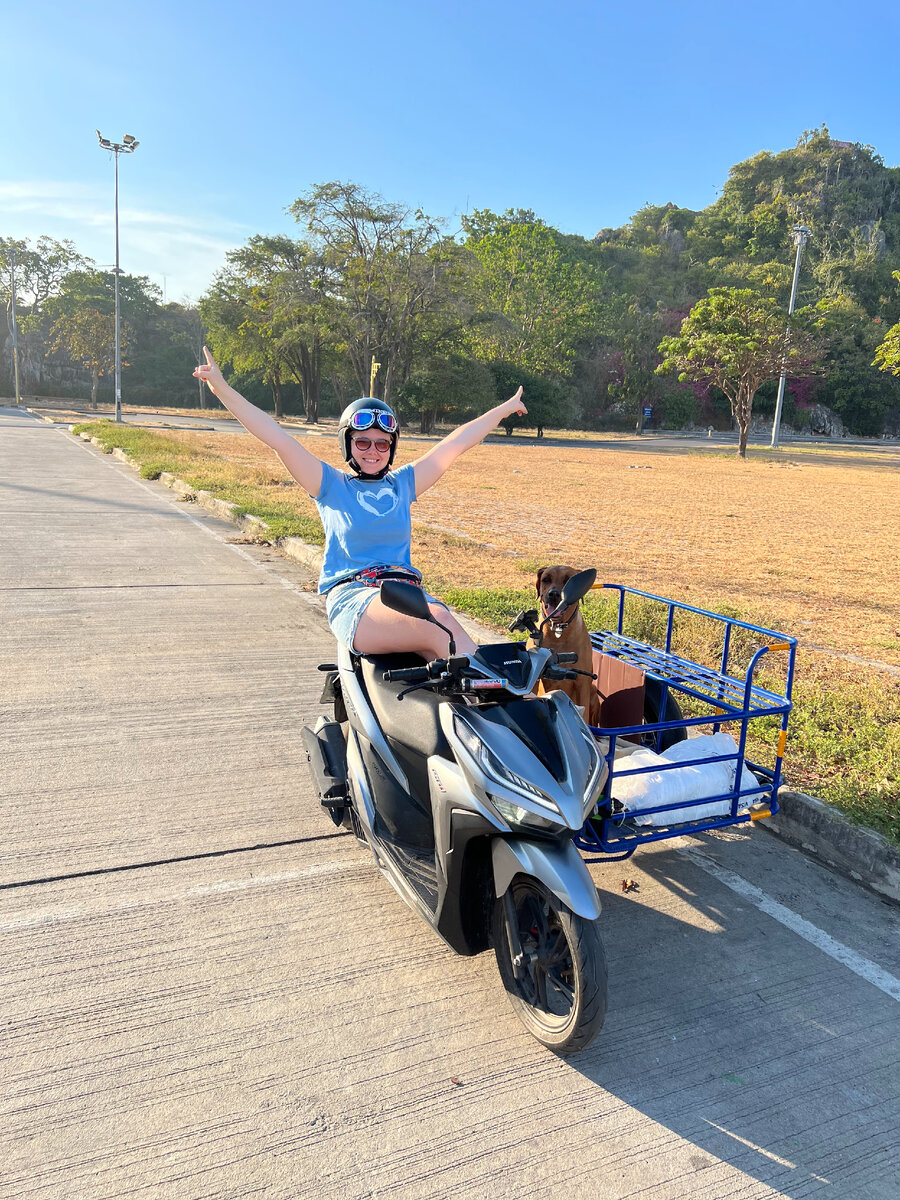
[{"x": 346, "y": 602}]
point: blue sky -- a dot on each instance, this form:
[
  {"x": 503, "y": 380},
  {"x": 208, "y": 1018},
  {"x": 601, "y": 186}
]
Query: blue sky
[{"x": 583, "y": 113}]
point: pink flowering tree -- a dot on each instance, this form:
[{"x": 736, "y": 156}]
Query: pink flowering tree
[{"x": 735, "y": 340}]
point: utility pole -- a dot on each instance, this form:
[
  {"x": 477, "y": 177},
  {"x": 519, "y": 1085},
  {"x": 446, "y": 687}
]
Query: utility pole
[
  {"x": 801, "y": 234},
  {"x": 13, "y": 323},
  {"x": 127, "y": 146}
]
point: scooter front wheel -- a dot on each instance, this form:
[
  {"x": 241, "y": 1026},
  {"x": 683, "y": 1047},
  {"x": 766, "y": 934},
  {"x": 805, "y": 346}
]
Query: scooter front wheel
[{"x": 552, "y": 964}]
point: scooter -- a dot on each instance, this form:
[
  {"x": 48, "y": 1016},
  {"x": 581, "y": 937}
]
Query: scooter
[{"x": 468, "y": 789}]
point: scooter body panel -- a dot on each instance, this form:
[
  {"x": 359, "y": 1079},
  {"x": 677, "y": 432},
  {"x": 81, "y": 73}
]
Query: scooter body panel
[
  {"x": 557, "y": 865},
  {"x": 472, "y": 854}
]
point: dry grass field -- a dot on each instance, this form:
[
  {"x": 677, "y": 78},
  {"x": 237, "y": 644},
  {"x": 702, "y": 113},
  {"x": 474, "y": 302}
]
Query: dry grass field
[{"x": 795, "y": 540}]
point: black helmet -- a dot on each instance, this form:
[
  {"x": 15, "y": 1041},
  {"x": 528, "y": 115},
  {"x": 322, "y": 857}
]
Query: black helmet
[{"x": 367, "y": 415}]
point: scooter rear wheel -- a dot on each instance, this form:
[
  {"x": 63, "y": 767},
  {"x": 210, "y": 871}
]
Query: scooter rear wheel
[{"x": 557, "y": 986}]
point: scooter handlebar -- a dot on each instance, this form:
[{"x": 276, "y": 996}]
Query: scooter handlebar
[{"x": 407, "y": 675}]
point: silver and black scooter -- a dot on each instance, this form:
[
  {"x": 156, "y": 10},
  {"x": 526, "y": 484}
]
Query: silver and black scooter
[{"x": 468, "y": 790}]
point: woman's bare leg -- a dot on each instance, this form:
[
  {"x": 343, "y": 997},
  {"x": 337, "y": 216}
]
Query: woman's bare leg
[{"x": 381, "y": 630}]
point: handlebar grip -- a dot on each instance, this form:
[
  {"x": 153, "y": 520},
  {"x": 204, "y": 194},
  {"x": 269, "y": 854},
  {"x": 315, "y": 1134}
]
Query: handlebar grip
[
  {"x": 406, "y": 675},
  {"x": 567, "y": 658}
]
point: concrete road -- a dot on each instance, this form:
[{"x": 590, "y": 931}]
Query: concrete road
[{"x": 206, "y": 991}]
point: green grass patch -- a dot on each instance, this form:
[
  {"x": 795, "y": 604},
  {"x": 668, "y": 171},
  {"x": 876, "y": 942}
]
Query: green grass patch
[
  {"x": 152, "y": 469},
  {"x": 844, "y": 741},
  {"x": 286, "y": 510}
]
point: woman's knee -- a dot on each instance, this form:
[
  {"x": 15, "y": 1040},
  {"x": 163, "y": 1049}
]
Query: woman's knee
[{"x": 463, "y": 643}]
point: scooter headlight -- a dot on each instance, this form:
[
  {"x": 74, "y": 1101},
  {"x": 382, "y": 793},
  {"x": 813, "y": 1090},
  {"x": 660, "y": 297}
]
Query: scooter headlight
[
  {"x": 493, "y": 767},
  {"x": 515, "y": 814},
  {"x": 595, "y": 777}
]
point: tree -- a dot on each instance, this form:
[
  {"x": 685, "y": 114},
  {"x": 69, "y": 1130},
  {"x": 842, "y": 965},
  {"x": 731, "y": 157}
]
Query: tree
[
  {"x": 267, "y": 314},
  {"x": 39, "y": 271},
  {"x": 850, "y": 386},
  {"x": 887, "y": 356},
  {"x": 736, "y": 340},
  {"x": 89, "y": 337},
  {"x": 160, "y": 363},
  {"x": 188, "y": 332},
  {"x": 548, "y": 400},
  {"x": 447, "y": 387},
  {"x": 543, "y": 303},
  {"x": 390, "y": 290}
]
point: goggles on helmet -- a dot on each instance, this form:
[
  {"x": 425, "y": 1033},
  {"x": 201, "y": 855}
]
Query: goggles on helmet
[{"x": 365, "y": 418}]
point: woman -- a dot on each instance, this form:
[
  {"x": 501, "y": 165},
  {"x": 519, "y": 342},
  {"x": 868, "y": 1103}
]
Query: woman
[{"x": 366, "y": 515}]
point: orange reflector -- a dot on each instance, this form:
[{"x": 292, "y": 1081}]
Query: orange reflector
[
  {"x": 760, "y": 813},
  {"x": 782, "y": 742},
  {"x": 780, "y": 646}
]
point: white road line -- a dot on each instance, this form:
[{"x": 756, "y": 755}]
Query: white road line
[
  {"x": 871, "y": 972},
  {"x": 782, "y": 1162}
]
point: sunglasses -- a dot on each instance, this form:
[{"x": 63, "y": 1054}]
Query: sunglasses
[
  {"x": 365, "y": 418},
  {"x": 382, "y": 445}
]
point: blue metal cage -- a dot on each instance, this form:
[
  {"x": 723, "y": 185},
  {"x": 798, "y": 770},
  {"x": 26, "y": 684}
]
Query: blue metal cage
[{"x": 716, "y": 697}]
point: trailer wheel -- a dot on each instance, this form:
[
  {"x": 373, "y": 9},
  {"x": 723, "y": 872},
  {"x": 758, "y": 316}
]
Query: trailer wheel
[{"x": 653, "y": 691}]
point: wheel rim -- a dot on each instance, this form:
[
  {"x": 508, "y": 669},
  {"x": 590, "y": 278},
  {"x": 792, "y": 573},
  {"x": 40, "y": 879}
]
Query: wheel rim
[{"x": 546, "y": 975}]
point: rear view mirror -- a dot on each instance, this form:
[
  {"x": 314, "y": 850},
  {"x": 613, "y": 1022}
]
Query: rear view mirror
[
  {"x": 577, "y": 588},
  {"x": 410, "y": 600},
  {"x": 405, "y": 598}
]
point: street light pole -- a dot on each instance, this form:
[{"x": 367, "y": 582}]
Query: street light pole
[
  {"x": 127, "y": 146},
  {"x": 801, "y": 234},
  {"x": 13, "y": 324}
]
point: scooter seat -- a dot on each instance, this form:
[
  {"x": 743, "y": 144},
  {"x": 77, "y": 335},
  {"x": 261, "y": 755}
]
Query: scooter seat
[{"x": 413, "y": 721}]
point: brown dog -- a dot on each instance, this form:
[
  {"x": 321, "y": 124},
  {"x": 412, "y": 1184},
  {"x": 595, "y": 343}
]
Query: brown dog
[{"x": 567, "y": 634}]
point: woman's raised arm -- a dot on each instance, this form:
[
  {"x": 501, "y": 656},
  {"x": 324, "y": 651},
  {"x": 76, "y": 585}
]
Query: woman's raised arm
[
  {"x": 305, "y": 467},
  {"x": 431, "y": 466}
]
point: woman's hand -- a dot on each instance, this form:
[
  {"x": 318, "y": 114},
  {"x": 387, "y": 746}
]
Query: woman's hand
[
  {"x": 431, "y": 466},
  {"x": 210, "y": 372},
  {"x": 514, "y": 405}
]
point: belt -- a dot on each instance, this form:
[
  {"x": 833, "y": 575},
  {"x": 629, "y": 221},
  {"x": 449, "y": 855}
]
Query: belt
[{"x": 373, "y": 576}]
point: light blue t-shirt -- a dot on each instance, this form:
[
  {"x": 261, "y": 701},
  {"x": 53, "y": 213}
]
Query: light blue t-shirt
[{"x": 367, "y": 522}]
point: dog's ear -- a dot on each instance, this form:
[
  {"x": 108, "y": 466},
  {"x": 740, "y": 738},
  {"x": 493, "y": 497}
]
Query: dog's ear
[{"x": 537, "y": 582}]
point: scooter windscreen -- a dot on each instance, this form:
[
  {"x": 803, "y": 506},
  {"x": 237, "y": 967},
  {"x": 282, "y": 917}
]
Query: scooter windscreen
[{"x": 510, "y": 661}]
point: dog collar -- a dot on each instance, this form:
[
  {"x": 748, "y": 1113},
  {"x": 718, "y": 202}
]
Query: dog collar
[{"x": 557, "y": 627}]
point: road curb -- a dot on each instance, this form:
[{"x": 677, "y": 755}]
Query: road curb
[
  {"x": 826, "y": 834},
  {"x": 803, "y": 821}
]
